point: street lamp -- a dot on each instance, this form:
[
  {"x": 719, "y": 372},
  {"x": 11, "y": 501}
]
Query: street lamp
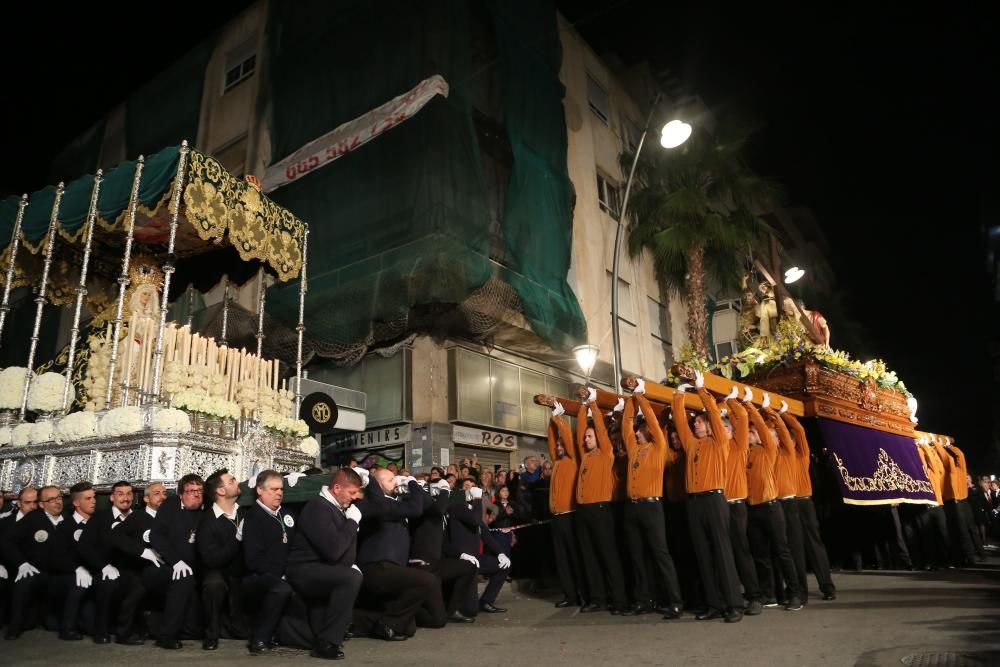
[
  {"x": 674, "y": 133},
  {"x": 793, "y": 274},
  {"x": 586, "y": 356}
]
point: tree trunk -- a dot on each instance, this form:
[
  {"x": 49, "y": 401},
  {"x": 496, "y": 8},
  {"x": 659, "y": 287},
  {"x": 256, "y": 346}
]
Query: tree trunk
[{"x": 694, "y": 285}]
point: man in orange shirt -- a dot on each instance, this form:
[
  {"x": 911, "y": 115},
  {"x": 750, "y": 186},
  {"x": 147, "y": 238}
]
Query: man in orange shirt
[
  {"x": 595, "y": 524},
  {"x": 645, "y": 527},
  {"x": 932, "y": 524},
  {"x": 678, "y": 528},
  {"x": 707, "y": 448},
  {"x": 785, "y": 481},
  {"x": 562, "y": 504},
  {"x": 954, "y": 490}
]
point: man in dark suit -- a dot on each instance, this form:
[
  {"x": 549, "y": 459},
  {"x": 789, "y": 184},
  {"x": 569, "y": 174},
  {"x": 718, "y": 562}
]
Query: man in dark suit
[
  {"x": 320, "y": 564},
  {"x": 221, "y": 558},
  {"x": 392, "y": 591},
  {"x": 27, "y": 501},
  {"x": 173, "y": 537},
  {"x": 99, "y": 557},
  {"x": 466, "y": 531},
  {"x": 267, "y": 533},
  {"x": 132, "y": 553}
]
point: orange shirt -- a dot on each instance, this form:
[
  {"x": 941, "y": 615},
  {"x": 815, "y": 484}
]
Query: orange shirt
[
  {"x": 739, "y": 448},
  {"x": 961, "y": 474},
  {"x": 954, "y": 480},
  {"x": 761, "y": 462},
  {"x": 934, "y": 469},
  {"x": 673, "y": 478},
  {"x": 785, "y": 471},
  {"x": 646, "y": 461},
  {"x": 705, "y": 469},
  {"x": 803, "y": 483},
  {"x": 594, "y": 481},
  {"x": 563, "y": 483}
]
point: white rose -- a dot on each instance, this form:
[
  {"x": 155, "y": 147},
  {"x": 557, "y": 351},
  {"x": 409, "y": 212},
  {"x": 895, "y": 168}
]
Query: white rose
[
  {"x": 12, "y": 387},
  {"x": 309, "y": 446},
  {"x": 21, "y": 435},
  {"x": 5, "y": 435},
  {"x": 41, "y": 432},
  {"x": 77, "y": 426},
  {"x": 46, "y": 393}
]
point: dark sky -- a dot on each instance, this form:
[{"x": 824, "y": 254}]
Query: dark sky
[{"x": 872, "y": 117}]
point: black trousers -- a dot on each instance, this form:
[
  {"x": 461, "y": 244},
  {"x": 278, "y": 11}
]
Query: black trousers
[
  {"x": 816, "y": 554},
  {"x": 335, "y": 587},
  {"x": 265, "y": 597},
  {"x": 222, "y": 601},
  {"x": 456, "y": 585},
  {"x": 934, "y": 531},
  {"x": 646, "y": 533},
  {"x": 107, "y": 595},
  {"x": 599, "y": 552},
  {"x": 738, "y": 536},
  {"x": 60, "y": 592},
  {"x": 970, "y": 525},
  {"x": 132, "y": 592},
  {"x": 679, "y": 539},
  {"x": 769, "y": 544},
  {"x": 395, "y": 593},
  {"x": 796, "y": 543},
  {"x": 708, "y": 515},
  {"x": 179, "y": 594},
  {"x": 910, "y": 516},
  {"x": 963, "y": 550},
  {"x": 568, "y": 565}
]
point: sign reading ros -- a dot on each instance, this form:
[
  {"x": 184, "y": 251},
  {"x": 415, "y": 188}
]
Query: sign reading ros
[{"x": 465, "y": 435}]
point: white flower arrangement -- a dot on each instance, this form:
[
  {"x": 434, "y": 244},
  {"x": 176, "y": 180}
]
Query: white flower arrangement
[
  {"x": 77, "y": 426},
  {"x": 284, "y": 425},
  {"x": 171, "y": 419},
  {"x": 21, "y": 435},
  {"x": 309, "y": 446},
  {"x": 121, "y": 421},
  {"x": 12, "y": 387},
  {"x": 42, "y": 432},
  {"x": 5, "y": 435},
  {"x": 195, "y": 401},
  {"x": 46, "y": 393}
]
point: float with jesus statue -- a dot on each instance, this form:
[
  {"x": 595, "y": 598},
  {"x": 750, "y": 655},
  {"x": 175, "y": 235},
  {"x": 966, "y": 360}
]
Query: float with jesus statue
[{"x": 138, "y": 394}]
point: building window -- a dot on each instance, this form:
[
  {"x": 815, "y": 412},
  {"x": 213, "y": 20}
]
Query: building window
[
  {"x": 631, "y": 134},
  {"x": 597, "y": 100},
  {"x": 626, "y": 312},
  {"x": 233, "y": 156},
  {"x": 659, "y": 321},
  {"x": 240, "y": 65},
  {"x": 608, "y": 197}
]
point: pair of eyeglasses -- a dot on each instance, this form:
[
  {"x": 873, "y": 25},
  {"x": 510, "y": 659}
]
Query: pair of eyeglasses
[
  {"x": 49, "y": 500},
  {"x": 194, "y": 492}
]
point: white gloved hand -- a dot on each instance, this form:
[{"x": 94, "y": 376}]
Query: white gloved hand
[
  {"x": 682, "y": 388},
  {"x": 766, "y": 403},
  {"x": 733, "y": 393},
  {"x": 355, "y": 567},
  {"x": 590, "y": 413},
  {"x": 747, "y": 394},
  {"x": 353, "y": 513},
  {"x": 442, "y": 485},
  {"x": 699, "y": 380},
  {"x": 723, "y": 412},
  {"x": 640, "y": 386},
  {"x": 504, "y": 561},
  {"x": 239, "y": 532},
  {"x": 399, "y": 481},
  {"x": 472, "y": 559},
  {"x": 784, "y": 408},
  {"x": 251, "y": 481},
  {"x": 25, "y": 570},
  {"x": 475, "y": 493},
  {"x": 591, "y": 395},
  {"x": 110, "y": 573},
  {"x": 363, "y": 472},
  {"x": 3, "y": 573},
  {"x": 423, "y": 484},
  {"x": 557, "y": 409},
  {"x": 620, "y": 405},
  {"x": 83, "y": 578},
  {"x": 181, "y": 570},
  {"x": 152, "y": 557},
  {"x": 293, "y": 478}
]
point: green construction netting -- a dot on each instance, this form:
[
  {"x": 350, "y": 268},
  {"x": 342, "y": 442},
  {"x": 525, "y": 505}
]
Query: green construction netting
[{"x": 401, "y": 225}]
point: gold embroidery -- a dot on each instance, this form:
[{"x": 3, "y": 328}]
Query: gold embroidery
[{"x": 888, "y": 476}]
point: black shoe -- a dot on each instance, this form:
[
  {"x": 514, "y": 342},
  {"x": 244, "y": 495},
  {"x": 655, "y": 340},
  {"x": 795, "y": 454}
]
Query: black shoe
[
  {"x": 129, "y": 640},
  {"x": 616, "y": 611},
  {"x": 709, "y": 615},
  {"x": 210, "y": 645},
  {"x": 755, "y": 607},
  {"x": 70, "y": 636},
  {"x": 593, "y": 606},
  {"x": 830, "y": 595},
  {"x": 102, "y": 639},
  {"x": 770, "y": 603},
  {"x": 257, "y": 648},
  {"x": 673, "y": 612},
  {"x": 490, "y": 609},
  {"x": 794, "y": 605},
  {"x": 562, "y": 604},
  {"x": 169, "y": 644},
  {"x": 383, "y": 631},
  {"x": 638, "y": 609},
  {"x": 459, "y": 617},
  {"x": 327, "y": 651},
  {"x": 273, "y": 643},
  {"x": 734, "y": 616}
]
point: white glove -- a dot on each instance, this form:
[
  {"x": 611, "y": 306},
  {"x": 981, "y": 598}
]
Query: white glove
[
  {"x": 784, "y": 408},
  {"x": 181, "y": 570},
  {"x": 110, "y": 572},
  {"x": 442, "y": 485},
  {"x": 3, "y": 572},
  {"x": 557, "y": 409},
  {"x": 239, "y": 532},
  {"x": 399, "y": 481},
  {"x": 747, "y": 394},
  {"x": 733, "y": 393},
  {"x": 766, "y": 403},
  {"x": 353, "y": 513},
  {"x": 504, "y": 561},
  {"x": 591, "y": 395},
  {"x": 699, "y": 380},
  {"x": 590, "y": 414},
  {"x": 620, "y": 406},
  {"x": 684, "y": 387},
  {"x": 152, "y": 557},
  {"x": 471, "y": 559},
  {"x": 640, "y": 386},
  {"x": 423, "y": 484},
  {"x": 475, "y": 493},
  {"x": 723, "y": 412},
  {"x": 363, "y": 472},
  {"x": 293, "y": 478},
  {"x": 83, "y": 578},
  {"x": 25, "y": 570},
  {"x": 355, "y": 567}
]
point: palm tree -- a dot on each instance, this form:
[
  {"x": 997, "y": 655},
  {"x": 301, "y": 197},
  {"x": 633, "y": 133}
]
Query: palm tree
[{"x": 695, "y": 210}]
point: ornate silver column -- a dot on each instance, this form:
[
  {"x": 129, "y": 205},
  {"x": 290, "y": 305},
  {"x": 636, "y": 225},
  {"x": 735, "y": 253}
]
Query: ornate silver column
[
  {"x": 15, "y": 241},
  {"x": 301, "y": 327},
  {"x": 42, "y": 290},
  {"x": 82, "y": 287},
  {"x": 260, "y": 312},
  {"x": 225, "y": 312}
]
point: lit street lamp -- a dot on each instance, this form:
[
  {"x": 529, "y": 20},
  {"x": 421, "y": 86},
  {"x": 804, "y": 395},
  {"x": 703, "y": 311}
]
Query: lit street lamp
[
  {"x": 793, "y": 274},
  {"x": 586, "y": 356}
]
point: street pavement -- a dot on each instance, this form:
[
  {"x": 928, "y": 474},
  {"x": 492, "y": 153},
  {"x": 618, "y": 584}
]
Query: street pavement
[{"x": 947, "y": 617}]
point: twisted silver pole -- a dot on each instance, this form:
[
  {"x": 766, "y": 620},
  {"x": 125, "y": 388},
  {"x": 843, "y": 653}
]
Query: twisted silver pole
[
  {"x": 123, "y": 281},
  {"x": 82, "y": 287},
  {"x": 40, "y": 300},
  {"x": 260, "y": 312},
  {"x": 225, "y": 312},
  {"x": 190, "y": 291},
  {"x": 15, "y": 241},
  {"x": 301, "y": 327},
  {"x": 168, "y": 267}
]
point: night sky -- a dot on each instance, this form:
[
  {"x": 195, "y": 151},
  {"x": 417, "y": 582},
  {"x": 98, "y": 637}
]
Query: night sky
[{"x": 874, "y": 118}]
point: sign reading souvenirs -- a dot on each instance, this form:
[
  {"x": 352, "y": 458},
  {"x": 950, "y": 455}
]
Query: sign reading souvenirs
[
  {"x": 376, "y": 437},
  {"x": 465, "y": 435}
]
